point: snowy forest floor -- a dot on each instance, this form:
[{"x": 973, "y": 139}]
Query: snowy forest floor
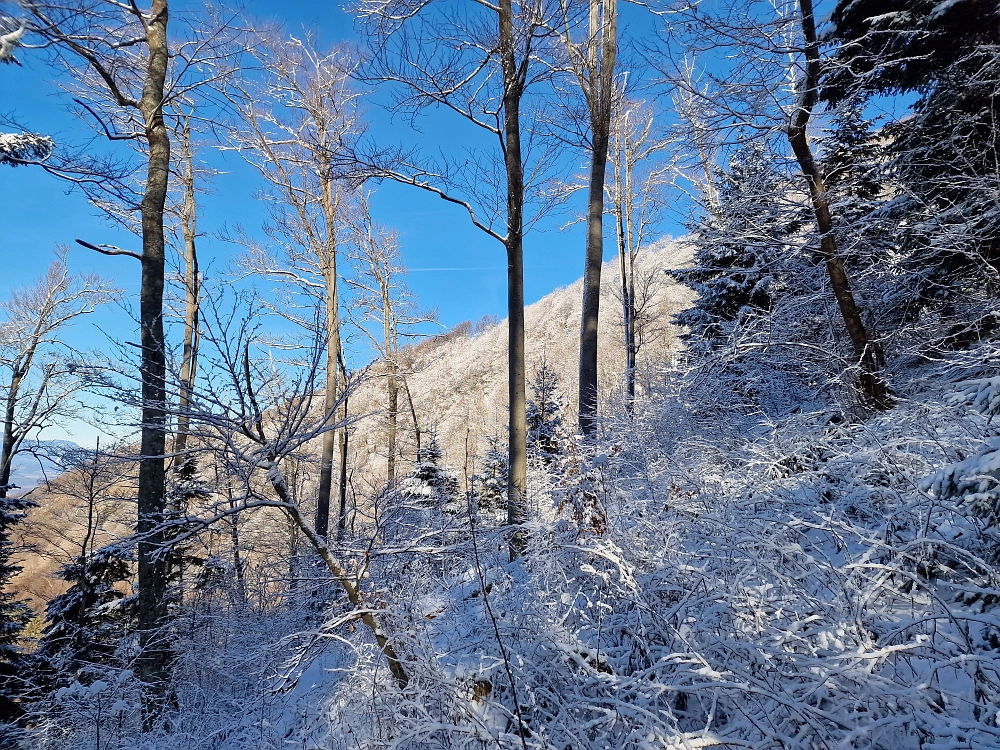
[{"x": 698, "y": 578}]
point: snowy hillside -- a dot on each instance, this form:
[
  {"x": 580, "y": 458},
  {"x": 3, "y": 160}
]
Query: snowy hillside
[{"x": 459, "y": 383}]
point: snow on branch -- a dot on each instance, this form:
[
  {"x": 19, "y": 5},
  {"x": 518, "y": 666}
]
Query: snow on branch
[{"x": 24, "y": 148}]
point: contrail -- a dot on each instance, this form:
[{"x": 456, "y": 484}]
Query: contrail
[{"x": 478, "y": 268}]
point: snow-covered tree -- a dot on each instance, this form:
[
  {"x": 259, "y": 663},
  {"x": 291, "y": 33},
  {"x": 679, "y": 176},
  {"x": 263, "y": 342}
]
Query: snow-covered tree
[
  {"x": 14, "y": 613},
  {"x": 430, "y": 485},
  {"x": 546, "y": 432},
  {"x": 490, "y": 485},
  {"x": 739, "y": 249},
  {"x": 86, "y": 625}
]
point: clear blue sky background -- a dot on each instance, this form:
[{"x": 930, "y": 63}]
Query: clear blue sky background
[{"x": 39, "y": 212}]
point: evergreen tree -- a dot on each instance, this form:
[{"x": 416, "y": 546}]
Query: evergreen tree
[
  {"x": 86, "y": 624},
  {"x": 546, "y": 432},
  {"x": 738, "y": 249},
  {"x": 943, "y": 157},
  {"x": 14, "y": 613},
  {"x": 429, "y": 485},
  {"x": 491, "y": 481}
]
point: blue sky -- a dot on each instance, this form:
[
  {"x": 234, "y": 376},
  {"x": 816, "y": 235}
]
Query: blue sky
[{"x": 39, "y": 212}]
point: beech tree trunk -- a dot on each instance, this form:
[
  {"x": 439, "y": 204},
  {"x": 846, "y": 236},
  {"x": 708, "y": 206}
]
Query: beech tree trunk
[
  {"x": 330, "y": 207},
  {"x": 517, "y": 425},
  {"x": 597, "y": 83},
  {"x": 192, "y": 294},
  {"x": 392, "y": 386},
  {"x": 867, "y": 352},
  {"x": 153, "y": 662}
]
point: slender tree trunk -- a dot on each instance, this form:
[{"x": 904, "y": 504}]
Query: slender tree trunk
[
  {"x": 330, "y": 206},
  {"x": 192, "y": 295},
  {"x": 867, "y": 352},
  {"x": 392, "y": 384},
  {"x": 153, "y": 662},
  {"x": 626, "y": 311},
  {"x": 517, "y": 427},
  {"x": 598, "y": 87},
  {"x": 413, "y": 415},
  {"x": 342, "y": 508}
]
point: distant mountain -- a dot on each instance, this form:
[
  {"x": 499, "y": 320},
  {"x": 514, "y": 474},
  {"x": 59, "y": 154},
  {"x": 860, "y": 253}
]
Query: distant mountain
[{"x": 37, "y": 461}]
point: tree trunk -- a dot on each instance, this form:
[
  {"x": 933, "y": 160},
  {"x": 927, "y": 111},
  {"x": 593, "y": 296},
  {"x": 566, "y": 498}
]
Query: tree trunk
[
  {"x": 332, "y": 353},
  {"x": 342, "y": 507},
  {"x": 192, "y": 294},
  {"x": 627, "y": 310},
  {"x": 390, "y": 463},
  {"x": 592, "y": 288},
  {"x": 7, "y": 449},
  {"x": 868, "y": 352},
  {"x": 153, "y": 662},
  {"x": 517, "y": 427},
  {"x": 598, "y": 85},
  {"x": 389, "y": 347}
]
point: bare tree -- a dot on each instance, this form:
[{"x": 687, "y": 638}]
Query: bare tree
[
  {"x": 187, "y": 215},
  {"x": 296, "y": 123},
  {"x": 257, "y": 416},
  {"x": 477, "y": 62},
  {"x": 40, "y": 367},
  {"x": 384, "y": 299},
  {"x": 592, "y": 61},
  {"x": 635, "y": 194},
  {"x": 127, "y": 70}
]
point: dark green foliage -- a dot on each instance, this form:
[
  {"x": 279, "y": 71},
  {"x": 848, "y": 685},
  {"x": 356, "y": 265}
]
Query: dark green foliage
[
  {"x": 14, "y": 613},
  {"x": 739, "y": 249},
  {"x": 491, "y": 481},
  {"x": 87, "y": 623},
  {"x": 943, "y": 157}
]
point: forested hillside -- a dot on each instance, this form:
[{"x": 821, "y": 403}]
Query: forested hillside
[{"x": 738, "y": 489}]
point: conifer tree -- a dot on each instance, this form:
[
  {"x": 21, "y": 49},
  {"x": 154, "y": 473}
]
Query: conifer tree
[
  {"x": 738, "y": 249},
  {"x": 943, "y": 155},
  {"x": 490, "y": 483},
  {"x": 86, "y": 624},
  {"x": 430, "y": 485},
  {"x": 14, "y": 613},
  {"x": 546, "y": 433}
]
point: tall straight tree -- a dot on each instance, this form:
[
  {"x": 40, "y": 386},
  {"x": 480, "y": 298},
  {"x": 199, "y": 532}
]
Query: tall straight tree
[
  {"x": 126, "y": 50},
  {"x": 120, "y": 60},
  {"x": 296, "y": 123},
  {"x": 635, "y": 194},
  {"x": 593, "y": 63},
  {"x": 383, "y": 299},
  {"x": 187, "y": 215},
  {"x": 476, "y": 61}
]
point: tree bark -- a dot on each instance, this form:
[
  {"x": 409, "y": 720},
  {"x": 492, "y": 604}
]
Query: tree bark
[
  {"x": 330, "y": 206},
  {"x": 393, "y": 392},
  {"x": 598, "y": 89},
  {"x": 342, "y": 497},
  {"x": 517, "y": 425},
  {"x": 867, "y": 352},
  {"x": 153, "y": 662},
  {"x": 192, "y": 294}
]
